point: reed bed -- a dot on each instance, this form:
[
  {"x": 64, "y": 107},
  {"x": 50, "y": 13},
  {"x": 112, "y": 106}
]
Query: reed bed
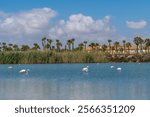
[{"x": 51, "y": 57}]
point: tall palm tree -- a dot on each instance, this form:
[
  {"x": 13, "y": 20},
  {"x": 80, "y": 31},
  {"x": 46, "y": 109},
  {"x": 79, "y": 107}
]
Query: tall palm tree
[
  {"x": 80, "y": 46},
  {"x": 4, "y": 46},
  {"x": 36, "y": 46},
  {"x": 44, "y": 44},
  {"x": 69, "y": 44},
  {"x": 128, "y": 45},
  {"x": 147, "y": 44},
  {"x": 137, "y": 43},
  {"x": 141, "y": 44},
  {"x": 9, "y": 48},
  {"x": 97, "y": 46},
  {"x": 85, "y": 42},
  {"x": 49, "y": 43},
  {"x": 109, "y": 42},
  {"x": 104, "y": 48},
  {"x": 58, "y": 45},
  {"x": 124, "y": 45},
  {"x": 15, "y": 47},
  {"x": 116, "y": 45},
  {"x": 92, "y": 45},
  {"x": 72, "y": 42}
]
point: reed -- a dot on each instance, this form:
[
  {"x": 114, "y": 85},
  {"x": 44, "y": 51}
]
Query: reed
[{"x": 48, "y": 57}]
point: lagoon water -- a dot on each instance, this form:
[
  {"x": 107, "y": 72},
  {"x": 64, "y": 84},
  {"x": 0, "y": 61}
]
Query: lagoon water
[{"x": 67, "y": 81}]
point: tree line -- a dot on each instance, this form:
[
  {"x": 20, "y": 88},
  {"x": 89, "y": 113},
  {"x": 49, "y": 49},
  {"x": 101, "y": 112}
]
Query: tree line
[{"x": 56, "y": 45}]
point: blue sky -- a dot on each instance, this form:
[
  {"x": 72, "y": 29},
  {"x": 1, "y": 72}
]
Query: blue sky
[{"x": 127, "y": 18}]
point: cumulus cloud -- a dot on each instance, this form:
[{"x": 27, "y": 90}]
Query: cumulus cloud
[
  {"x": 25, "y": 24},
  {"x": 136, "y": 25},
  {"x": 30, "y": 26},
  {"x": 83, "y": 27}
]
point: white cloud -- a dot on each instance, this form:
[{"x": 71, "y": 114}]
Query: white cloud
[
  {"x": 83, "y": 27},
  {"x": 30, "y": 26},
  {"x": 136, "y": 25},
  {"x": 25, "y": 24}
]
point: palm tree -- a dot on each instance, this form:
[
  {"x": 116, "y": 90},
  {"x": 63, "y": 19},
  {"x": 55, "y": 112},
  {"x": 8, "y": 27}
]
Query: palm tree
[
  {"x": 10, "y": 45},
  {"x": 128, "y": 45},
  {"x": 137, "y": 43},
  {"x": 124, "y": 45},
  {"x": 92, "y": 45},
  {"x": 9, "y": 48},
  {"x": 44, "y": 44},
  {"x": 104, "y": 48},
  {"x": 141, "y": 44},
  {"x": 109, "y": 41},
  {"x": 58, "y": 45},
  {"x": 85, "y": 42},
  {"x": 147, "y": 44},
  {"x": 97, "y": 46},
  {"x": 36, "y": 46},
  {"x": 80, "y": 46},
  {"x": 72, "y": 42},
  {"x": 116, "y": 45},
  {"x": 69, "y": 44},
  {"x": 15, "y": 47},
  {"x": 4, "y": 46},
  {"x": 25, "y": 48},
  {"x": 49, "y": 43}
]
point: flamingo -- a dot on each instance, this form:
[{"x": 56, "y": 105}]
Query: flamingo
[
  {"x": 85, "y": 69},
  {"x": 24, "y": 71},
  {"x": 10, "y": 67},
  {"x": 111, "y": 66},
  {"x": 119, "y": 68}
]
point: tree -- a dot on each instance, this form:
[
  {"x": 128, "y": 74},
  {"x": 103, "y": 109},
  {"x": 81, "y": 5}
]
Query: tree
[
  {"x": 109, "y": 42},
  {"x": 58, "y": 45},
  {"x": 9, "y": 48},
  {"x": 25, "y": 48},
  {"x": 97, "y": 46},
  {"x": 44, "y": 44},
  {"x": 72, "y": 42},
  {"x": 15, "y": 47},
  {"x": 147, "y": 44},
  {"x": 85, "y": 42},
  {"x": 128, "y": 45},
  {"x": 69, "y": 44},
  {"x": 141, "y": 44},
  {"x": 124, "y": 45},
  {"x": 104, "y": 48},
  {"x": 36, "y": 46},
  {"x": 4, "y": 46},
  {"x": 80, "y": 46},
  {"x": 137, "y": 43},
  {"x": 92, "y": 45},
  {"x": 10, "y": 45},
  {"x": 49, "y": 44},
  {"x": 116, "y": 45}
]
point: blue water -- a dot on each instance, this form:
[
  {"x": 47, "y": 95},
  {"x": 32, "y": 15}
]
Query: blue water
[{"x": 66, "y": 81}]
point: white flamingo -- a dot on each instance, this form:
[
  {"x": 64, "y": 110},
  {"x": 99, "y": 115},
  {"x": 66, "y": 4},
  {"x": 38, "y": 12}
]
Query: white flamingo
[
  {"x": 10, "y": 67},
  {"x": 111, "y": 66},
  {"x": 85, "y": 69},
  {"x": 24, "y": 71},
  {"x": 119, "y": 68}
]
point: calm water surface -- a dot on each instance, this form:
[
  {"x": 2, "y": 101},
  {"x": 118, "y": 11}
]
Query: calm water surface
[{"x": 66, "y": 81}]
